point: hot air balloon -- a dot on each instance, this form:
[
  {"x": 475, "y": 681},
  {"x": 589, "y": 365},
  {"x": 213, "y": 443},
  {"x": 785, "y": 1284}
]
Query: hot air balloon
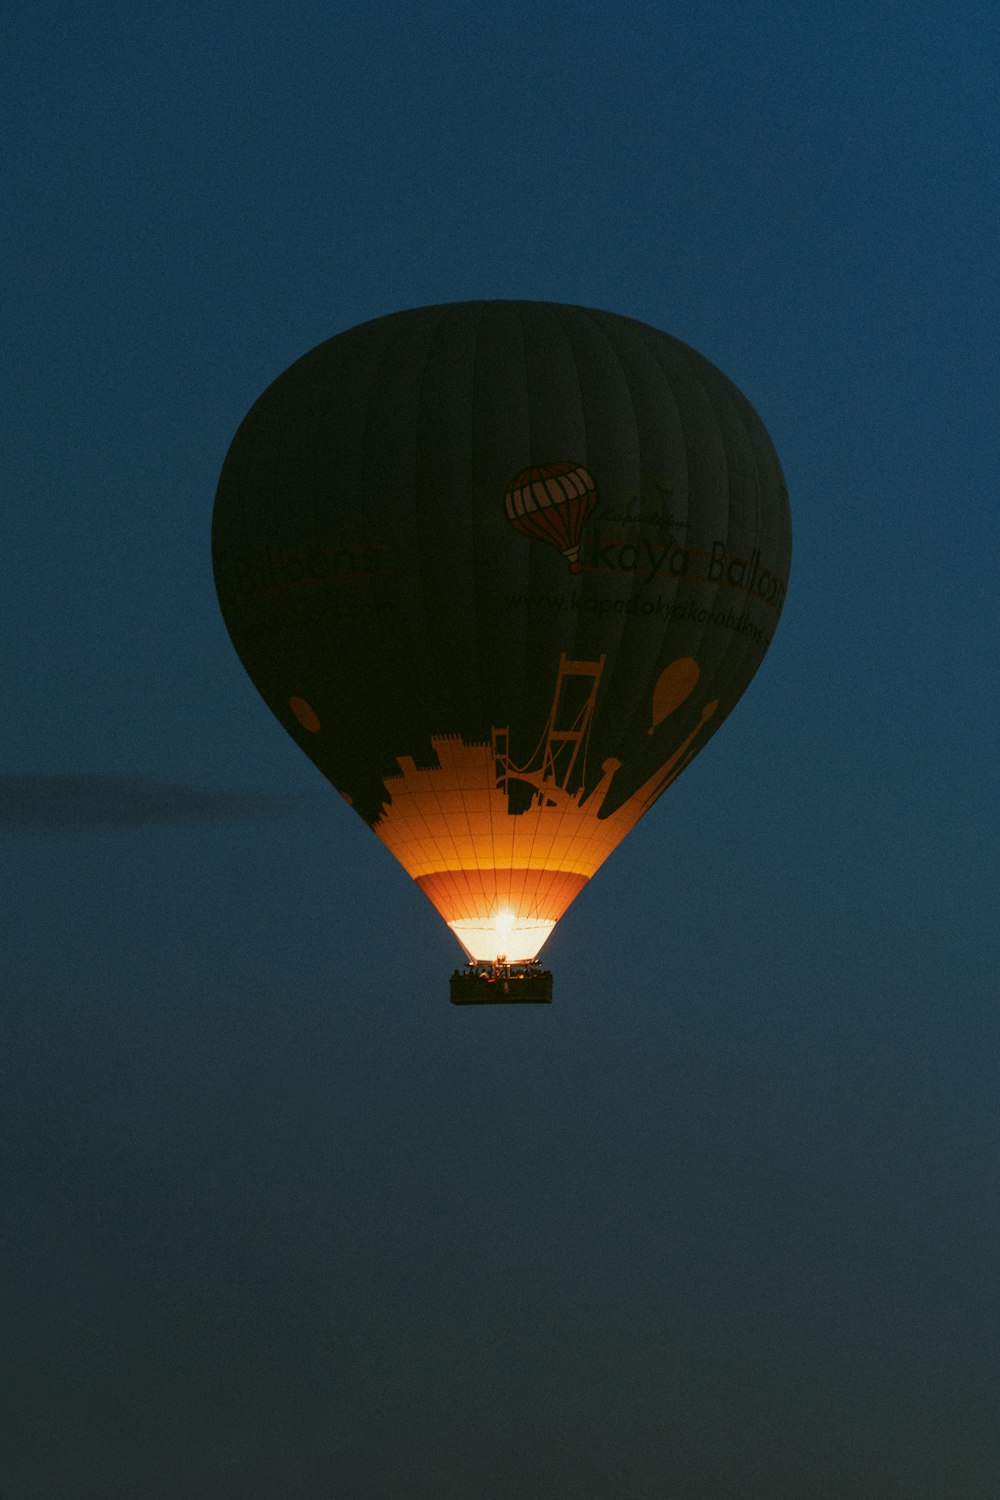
[
  {"x": 553, "y": 502},
  {"x": 501, "y": 569}
]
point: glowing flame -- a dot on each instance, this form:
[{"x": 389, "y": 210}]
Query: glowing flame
[{"x": 518, "y": 938}]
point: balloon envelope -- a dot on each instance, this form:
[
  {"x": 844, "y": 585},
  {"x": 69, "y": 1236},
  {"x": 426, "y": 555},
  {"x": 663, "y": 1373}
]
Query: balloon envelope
[{"x": 501, "y": 569}]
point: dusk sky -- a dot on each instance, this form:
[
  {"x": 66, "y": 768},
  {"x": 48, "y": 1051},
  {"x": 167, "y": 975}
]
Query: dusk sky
[{"x": 277, "y": 1222}]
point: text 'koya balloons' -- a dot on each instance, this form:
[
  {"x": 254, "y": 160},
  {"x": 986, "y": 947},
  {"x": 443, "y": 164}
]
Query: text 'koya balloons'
[{"x": 501, "y": 569}]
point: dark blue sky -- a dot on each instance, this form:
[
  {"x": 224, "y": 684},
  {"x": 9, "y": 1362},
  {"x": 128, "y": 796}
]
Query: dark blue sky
[{"x": 276, "y": 1222}]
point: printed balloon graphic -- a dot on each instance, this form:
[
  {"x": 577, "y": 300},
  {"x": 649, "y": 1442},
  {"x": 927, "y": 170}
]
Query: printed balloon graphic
[
  {"x": 675, "y": 683},
  {"x": 552, "y": 502},
  {"x": 501, "y": 675}
]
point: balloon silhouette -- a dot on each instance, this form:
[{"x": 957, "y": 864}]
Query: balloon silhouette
[
  {"x": 499, "y": 719},
  {"x": 674, "y": 684}
]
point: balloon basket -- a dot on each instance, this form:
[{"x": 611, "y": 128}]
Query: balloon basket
[{"x": 501, "y": 984}]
